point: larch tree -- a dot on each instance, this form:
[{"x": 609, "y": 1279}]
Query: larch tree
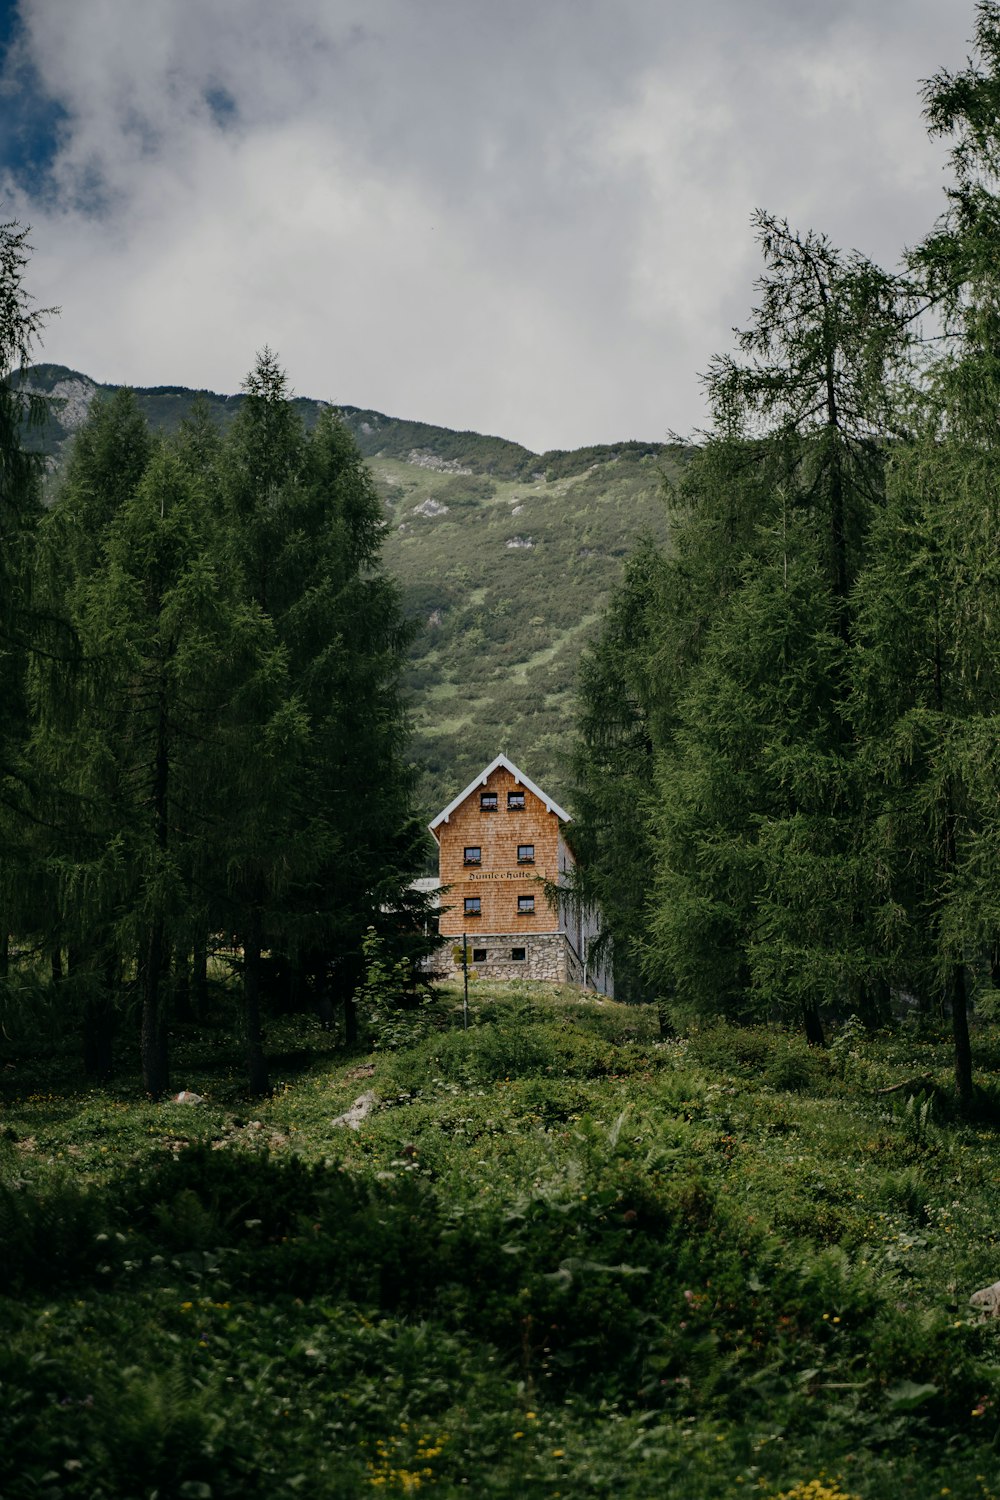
[
  {"x": 331, "y": 840},
  {"x": 754, "y": 788},
  {"x": 132, "y": 552},
  {"x": 613, "y": 770},
  {"x": 73, "y": 746},
  {"x": 20, "y": 624},
  {"x": 927, "y": 664}
]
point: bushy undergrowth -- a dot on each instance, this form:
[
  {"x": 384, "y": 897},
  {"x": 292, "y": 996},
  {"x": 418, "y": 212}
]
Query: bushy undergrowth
[{"x": 560, "y": 1258}]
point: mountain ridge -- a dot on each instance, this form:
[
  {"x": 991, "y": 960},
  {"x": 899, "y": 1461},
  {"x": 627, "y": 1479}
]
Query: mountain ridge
[{"x": 377, "y": 434}]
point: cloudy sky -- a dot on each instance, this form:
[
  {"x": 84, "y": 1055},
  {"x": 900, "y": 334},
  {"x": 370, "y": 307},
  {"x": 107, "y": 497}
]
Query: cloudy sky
[{"x": 527, "y": 217}]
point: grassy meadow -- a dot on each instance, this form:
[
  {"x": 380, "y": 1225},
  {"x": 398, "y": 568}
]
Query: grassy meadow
[
  {"x": 506, "y": 584},
  {"x": 562, "y": 1257}
]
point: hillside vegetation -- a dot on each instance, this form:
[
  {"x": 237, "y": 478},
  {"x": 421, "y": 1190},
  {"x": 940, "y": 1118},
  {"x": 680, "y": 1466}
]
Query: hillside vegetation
[
  {"x": 506, "y": 558},
  {"x": 561, "y": 1257}
]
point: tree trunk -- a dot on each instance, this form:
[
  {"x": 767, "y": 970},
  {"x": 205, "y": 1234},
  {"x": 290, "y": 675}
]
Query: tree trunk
[
  {"x": 960, "y": 1032},
  {"x": 199, "y": 979},
  {"x": 257, "y": 1078},
  {"x": 98, "y": 1036},
  {"x": 182, "y": 987},
  {"x": 872, "y": 1003},
  {"x": 4, "y": 954},
  {"x": 815, "y": 1035},
  {"x": 153, "y": 1042},
  {"x": 56, "y": 959},
  {"x": 153, "y": 1038},
  {"x": 97, "y": 1010}
]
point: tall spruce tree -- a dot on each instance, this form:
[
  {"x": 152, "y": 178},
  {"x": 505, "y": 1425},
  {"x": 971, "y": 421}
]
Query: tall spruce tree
[
  {"x": 613, "y": 765},
  {"x": 132, "y": 557},
  {"x": 753, "y": 750},
  {"x": 20, "y": 624},
  {"x": 73, "y": 749},
  {"x": 326, "y": 840},
  {"x": 752, "y": 891},
  {"x": 927, "y": 667}
]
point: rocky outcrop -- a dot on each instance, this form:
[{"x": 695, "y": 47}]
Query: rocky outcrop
[
  {"x": 70, "y": 399},
  {"x": 430, "y": 508},
  {"x": 987, "y": 1302},
  {"x": 360, "y": 1110},
  {"x": 423, "y": 458}
]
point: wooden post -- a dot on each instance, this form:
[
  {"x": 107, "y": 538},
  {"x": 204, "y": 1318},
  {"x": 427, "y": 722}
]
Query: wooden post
[{"x": 465, "y": 976}]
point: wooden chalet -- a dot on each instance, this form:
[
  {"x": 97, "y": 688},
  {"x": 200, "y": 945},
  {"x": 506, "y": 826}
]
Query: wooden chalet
[{"x": 503, "y": 854}]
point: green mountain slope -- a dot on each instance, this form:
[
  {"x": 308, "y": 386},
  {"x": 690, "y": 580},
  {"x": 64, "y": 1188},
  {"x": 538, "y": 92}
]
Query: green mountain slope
[{"x": 506, "y": 559}]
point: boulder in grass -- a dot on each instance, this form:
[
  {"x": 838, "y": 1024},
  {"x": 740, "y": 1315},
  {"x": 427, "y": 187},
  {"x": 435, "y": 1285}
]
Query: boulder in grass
[
  {"x": 187, "y": 1097},
  {"x": 987, "y": 1302},
  {"x": 359, "y": 1110}
]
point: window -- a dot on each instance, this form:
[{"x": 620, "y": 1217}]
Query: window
[
  {"x": 473, "y": 906},
  {"x": 479, "y": 955},
  {"x": 525, "y": 904},
  {"x": 517, "y": 954},
  {"x": 515, "y": 801},
  {"x": 526, "y": 854},
  {"x": 473, "y": 854},
  {"x": 487, "y": 801}
]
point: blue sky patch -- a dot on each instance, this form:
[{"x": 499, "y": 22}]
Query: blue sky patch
[
  {"x": 31, "y": 122},
  {"x": 222, "y": 105}
]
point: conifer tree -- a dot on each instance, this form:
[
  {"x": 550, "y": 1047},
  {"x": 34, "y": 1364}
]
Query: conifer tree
[
  {"x": 326, "y": 839},
  {"x": 73, "y": 752},
  {"x": 927, "y": 666},
  {"x": 132, "y": 556},
  {"x": 20, "y": 625},
  {"x": 613, "y": 764},
  {"x": 767, "y": 534}
]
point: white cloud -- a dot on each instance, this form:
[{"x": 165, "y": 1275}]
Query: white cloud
[{"x": 526, "y": 219}]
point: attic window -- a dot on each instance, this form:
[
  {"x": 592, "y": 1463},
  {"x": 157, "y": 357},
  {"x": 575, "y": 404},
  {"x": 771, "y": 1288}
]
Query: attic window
[
  {"x": 473, "y": 855},
  {"x": 473, "y": 906},
  {"x": 517, "y": 954},
  {"x": 526, "y": 854},
  {"x": 515, "y": 800},
  {"x": 525, "y": 904},
  {"x": 487, "y": 801}
]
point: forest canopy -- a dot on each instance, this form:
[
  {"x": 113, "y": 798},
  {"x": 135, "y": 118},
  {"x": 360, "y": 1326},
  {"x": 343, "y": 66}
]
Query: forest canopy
[
  {"x": 787, "y": 768},
  {"x": 205, "y": 745}
]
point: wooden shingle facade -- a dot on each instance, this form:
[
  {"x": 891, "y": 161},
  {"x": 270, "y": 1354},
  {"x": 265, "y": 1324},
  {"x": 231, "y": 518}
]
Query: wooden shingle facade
[{"x": 503, "y": 854}]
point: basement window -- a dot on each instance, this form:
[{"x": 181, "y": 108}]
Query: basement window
[
  {"x": 479, "y": 955},
  {"x": 517, "y": 954},
  {"x": 487, "y": 801},
  {"x": 473, "y": 855},
  {"x": 515, "y": 801},
  {"x": 525, "y": 904},
  {"x": 526, "y": 854},
  {"x": 473, "y": 906}
]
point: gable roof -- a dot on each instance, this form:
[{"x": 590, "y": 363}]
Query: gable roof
[{"x": 482, "y": 779}]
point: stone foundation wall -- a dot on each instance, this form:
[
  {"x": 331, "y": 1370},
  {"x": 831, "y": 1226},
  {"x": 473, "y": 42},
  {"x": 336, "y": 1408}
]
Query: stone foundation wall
[{"x": 547, "y": 956}]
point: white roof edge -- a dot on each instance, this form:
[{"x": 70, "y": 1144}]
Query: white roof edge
[{"x": 482, "y": 779}]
